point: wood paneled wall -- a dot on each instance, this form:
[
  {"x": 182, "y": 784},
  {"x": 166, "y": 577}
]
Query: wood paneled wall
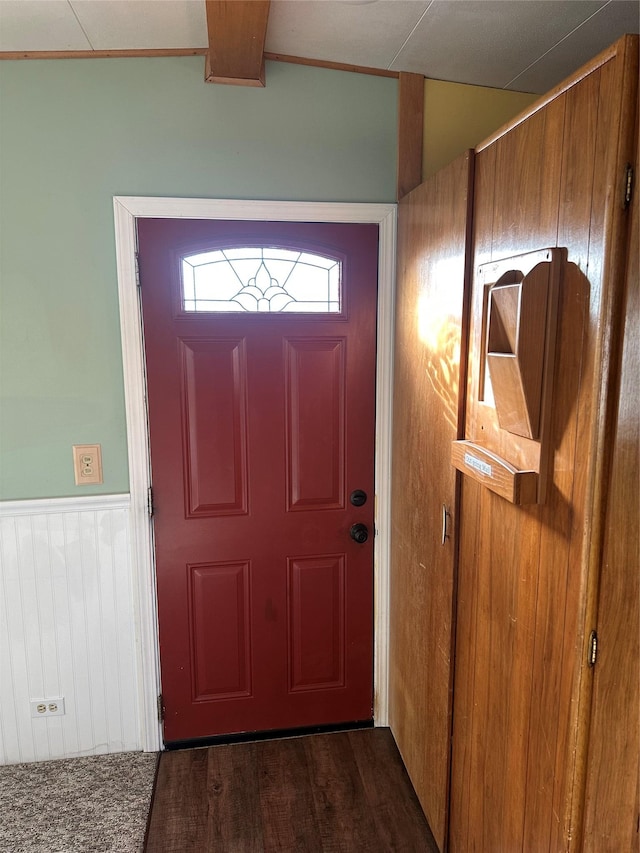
[
  {"x": 527, "y": 584},
  {"x": 67, "y": 628},
  {"x": 612, "y": 820},
  {"x": 434, "y": 222}
]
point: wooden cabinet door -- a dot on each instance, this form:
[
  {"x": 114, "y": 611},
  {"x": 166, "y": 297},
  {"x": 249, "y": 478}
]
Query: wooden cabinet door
[
  {"x": 528, "y": 575},
  {"x": 612, "y": 814},
  {"x": 433, "y": 224}
]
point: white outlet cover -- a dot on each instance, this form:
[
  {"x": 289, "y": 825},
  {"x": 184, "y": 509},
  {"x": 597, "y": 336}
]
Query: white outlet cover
[{"x": 53, "y": 706}]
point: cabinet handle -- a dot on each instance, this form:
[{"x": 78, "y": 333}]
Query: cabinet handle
[{"x": 446, "y": 515}]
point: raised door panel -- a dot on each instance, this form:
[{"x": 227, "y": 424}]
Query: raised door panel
[
  {"x": 316, "y": 406},
  {"x": 316, "y": 622},
  {"x": 220, "y": 630},
  {"x": 215, "y": 433},
  {"x": 432, "y": 269}
]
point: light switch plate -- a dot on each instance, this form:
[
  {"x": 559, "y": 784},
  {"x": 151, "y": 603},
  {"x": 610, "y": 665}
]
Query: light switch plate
[{"x": 87, "y": 464}]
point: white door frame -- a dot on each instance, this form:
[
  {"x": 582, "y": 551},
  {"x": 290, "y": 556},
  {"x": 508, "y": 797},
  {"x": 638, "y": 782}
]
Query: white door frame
[{"x": 126, "y": 210}]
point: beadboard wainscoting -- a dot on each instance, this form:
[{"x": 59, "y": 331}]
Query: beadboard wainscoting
[{"x": 67, "y": 628}]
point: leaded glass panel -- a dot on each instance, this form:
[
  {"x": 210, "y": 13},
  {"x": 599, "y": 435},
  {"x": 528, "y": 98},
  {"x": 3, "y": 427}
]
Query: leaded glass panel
[{"x": 263, "y": 279}]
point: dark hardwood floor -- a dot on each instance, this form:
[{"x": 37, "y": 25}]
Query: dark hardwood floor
[{"x": 344, "y": 792}]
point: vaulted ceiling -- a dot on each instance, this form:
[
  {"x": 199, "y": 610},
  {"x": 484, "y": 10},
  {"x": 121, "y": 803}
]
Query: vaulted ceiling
[{"x": 524, "y": 45}]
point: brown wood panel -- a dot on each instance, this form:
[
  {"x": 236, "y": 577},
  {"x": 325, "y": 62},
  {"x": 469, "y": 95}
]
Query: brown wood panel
[
  {"x": 190, "y": 51},
  {"x": 527, "y": 576},
  {"x": 325, "y": 63},
  {"x": 102, "y": 54},
  {"x": 513, "y": 183},
  {"x": 473, "y": 460},
  {"x": 493, "y": 653},
  {"x": 410, "y": 131},
  {"x": 237, "y": 30},
  {"x": 337, "y": 793},
  {"x": 468, "y": 619},
  {"x": 615, "y": 147},
  {"x": 431, "y": 290},
  {"x": 527, "y": 184},
  {"x": 612, "y": 797},
  {"x": 561, "y": 517},
  {"x": 568, "y": 83}
]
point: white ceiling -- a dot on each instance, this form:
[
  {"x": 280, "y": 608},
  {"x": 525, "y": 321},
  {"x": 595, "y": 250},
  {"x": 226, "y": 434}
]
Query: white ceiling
[{"x": 525, "y": 45}]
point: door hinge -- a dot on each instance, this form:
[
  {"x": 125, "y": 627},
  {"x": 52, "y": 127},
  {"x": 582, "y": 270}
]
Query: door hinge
[
  {"x": 628, "y": 186},
  {"x": 160, "y": 708},
  {"x": 150, "y": 507},
  {"x": 137, "y": 257},
  {"x": 593, "y": 648}
]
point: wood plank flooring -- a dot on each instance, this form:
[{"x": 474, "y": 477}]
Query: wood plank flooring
[{"x": 344, "y": 792}]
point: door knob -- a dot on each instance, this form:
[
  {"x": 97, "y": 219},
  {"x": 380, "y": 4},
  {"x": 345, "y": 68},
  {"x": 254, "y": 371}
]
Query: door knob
[{"x": 359, "y": 533}]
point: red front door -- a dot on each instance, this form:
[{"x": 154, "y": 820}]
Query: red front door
[{"x": 261, "y": 422}]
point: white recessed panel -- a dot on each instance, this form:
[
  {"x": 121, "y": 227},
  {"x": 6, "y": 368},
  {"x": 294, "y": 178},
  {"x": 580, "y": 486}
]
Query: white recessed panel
[
  {"x": 355, "y": 33},
  {"x": 489, "y": 42},
  {"x": 612, "y": 21},
  {"x": 27, "y": 25},
  {"x": 143, "y": 24}
]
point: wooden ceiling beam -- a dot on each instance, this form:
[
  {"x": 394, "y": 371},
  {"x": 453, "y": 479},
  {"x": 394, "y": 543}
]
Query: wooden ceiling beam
[
  {"x": 410, "y": 131},
  {"x": 237, "y": 30}
]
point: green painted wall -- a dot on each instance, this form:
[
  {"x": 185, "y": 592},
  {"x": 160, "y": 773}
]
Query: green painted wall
[{"x": 74, "y": 133}]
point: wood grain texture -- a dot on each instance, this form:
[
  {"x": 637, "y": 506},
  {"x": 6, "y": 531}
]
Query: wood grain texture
[
  {"x": 568, "y": 83},
  {"x": 140, "y": 53},
  {"x": 325, "y": 63},
  {"x": 497, "y": 575},
  {"x": 431, "y": 293},
  {"x": 190, "y": 51},
  {"x": 614, "y": 149},
  {"x": 410, "y": 131},
  {"x": 612, "y": 797},
  {"x": 337, "y": 793},
  {"x": 512, "y": 383},
  {"x": 237, "y": 30},
  {"x": 526, "y": 575},
  {"x": 518, "y": 487},
  {"x": 561, "y": 576}
]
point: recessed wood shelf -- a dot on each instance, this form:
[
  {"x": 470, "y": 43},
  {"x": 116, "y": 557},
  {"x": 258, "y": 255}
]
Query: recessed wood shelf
[
  {"x": 518, "y": 315},
  {"x": 485, "y": 467}
]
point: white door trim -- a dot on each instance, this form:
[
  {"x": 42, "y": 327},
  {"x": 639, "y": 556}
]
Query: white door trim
[{"x": 126, "y": 210}]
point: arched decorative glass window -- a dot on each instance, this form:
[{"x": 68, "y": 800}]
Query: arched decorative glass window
[{"x": 261, "y": 279}]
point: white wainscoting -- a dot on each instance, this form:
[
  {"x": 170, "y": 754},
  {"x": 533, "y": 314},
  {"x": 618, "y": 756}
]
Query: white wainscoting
[{"x": 67, "y": 628}]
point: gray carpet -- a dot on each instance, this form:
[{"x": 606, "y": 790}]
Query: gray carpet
[{"x": 80, "y": 805}]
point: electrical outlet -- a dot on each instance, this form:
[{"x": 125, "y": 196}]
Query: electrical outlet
[
  {"x": 87, "y": 464},
  {"x": 52, "y": 707}
]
